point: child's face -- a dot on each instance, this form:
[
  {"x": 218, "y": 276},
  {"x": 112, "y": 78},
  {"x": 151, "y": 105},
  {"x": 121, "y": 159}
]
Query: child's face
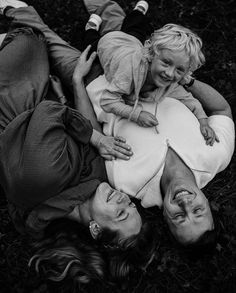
[{"x": 168, "y": 67}]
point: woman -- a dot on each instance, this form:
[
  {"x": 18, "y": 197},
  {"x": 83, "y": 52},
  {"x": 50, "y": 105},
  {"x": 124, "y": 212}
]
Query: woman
[{"x": 53, "y": 178}]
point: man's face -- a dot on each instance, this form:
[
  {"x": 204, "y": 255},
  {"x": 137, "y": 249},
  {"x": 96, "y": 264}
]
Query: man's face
[
  {"x": 114, "y": 210},
  {"x": 187, "y": 212}
]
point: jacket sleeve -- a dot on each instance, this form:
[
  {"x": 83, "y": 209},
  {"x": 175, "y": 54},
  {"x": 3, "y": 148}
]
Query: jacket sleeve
[
  {"x": 179, "y": 93},
  {"x": 112, "y": 102},
  {"x": 120, "y": 77},
  {"x": 121, "y": 57},
  {"x": 53, "y": 145}
]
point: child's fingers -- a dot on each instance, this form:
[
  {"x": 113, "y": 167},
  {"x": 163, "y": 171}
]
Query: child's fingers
[
  {"x": 204, "y": 132},
  {"x": 210, "y": 139},
  {"x": 217, "y": 138}
]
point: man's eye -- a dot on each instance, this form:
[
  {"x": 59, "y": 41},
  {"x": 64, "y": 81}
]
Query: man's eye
[
  {"x": 197, "y": 211},
  {"x": 179, "y": 216}
]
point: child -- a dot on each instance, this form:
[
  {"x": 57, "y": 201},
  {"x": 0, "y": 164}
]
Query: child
[{"x": 150, "y": 71}]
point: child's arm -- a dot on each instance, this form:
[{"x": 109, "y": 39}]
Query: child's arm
[
  {"x": 195, "y": 106},
  {"x": 112, "y": 102}
]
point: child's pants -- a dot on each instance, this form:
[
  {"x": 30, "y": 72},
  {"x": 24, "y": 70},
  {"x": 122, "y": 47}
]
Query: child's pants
[{"x": 135, "y": 24}]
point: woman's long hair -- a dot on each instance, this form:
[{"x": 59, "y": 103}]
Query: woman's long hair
[{"x": 67, "y": 251}]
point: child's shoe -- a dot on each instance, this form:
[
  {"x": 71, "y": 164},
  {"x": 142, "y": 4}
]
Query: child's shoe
[
  {"x": 94, "y": 22},
  {"x": 141, "y": 6},
  {"x": 11, "y": 3}
]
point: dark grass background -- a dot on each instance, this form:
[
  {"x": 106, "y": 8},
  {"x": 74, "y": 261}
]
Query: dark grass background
[{"x": 171, "y": 271}]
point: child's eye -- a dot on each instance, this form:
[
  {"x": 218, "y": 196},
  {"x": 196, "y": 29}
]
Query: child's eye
[
  {"x": 180, "y": 70},
  {"x": 167, "y": 62}
]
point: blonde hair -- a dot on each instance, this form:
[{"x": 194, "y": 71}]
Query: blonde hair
[{"x": 177, "y": 38}]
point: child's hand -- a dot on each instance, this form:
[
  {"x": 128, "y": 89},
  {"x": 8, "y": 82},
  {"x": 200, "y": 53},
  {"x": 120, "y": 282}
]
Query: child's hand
[
  {"x": 83, "y": 64},
  {"x": 147, "y": 119},
  {"x": 207, "y": 132}
]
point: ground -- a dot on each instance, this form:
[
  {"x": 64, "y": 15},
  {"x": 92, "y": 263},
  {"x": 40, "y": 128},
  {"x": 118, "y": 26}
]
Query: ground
[{"x": 171, "y": 271}]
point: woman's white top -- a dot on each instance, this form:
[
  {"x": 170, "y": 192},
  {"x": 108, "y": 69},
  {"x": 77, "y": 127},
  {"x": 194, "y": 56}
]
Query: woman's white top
[{"x": 178, "y": 128}]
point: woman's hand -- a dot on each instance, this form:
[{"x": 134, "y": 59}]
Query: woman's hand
[
  {"x": 111, "y": 147},
  {"x": 83, "y": 65}
]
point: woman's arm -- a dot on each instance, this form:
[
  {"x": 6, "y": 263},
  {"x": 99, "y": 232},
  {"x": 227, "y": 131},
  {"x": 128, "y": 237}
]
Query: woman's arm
[
  {"x": 109, "y": 147},
  {"x": 82, "y": 101},
  {"x": 212, "y": 101}
]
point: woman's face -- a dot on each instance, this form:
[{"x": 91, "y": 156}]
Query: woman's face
[
  {"x": 114, "y": 210},
  {"x": 187, "y": 211},
  {"x": 168, "y": 67}
]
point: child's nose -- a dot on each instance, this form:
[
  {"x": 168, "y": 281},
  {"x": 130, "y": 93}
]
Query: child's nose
[{"x": 170, "y": 71}]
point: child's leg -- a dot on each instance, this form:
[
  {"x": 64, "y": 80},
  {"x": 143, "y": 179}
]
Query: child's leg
[
  {"x": 63, "y": 57},
  {"x": 24, "y": 72},
  {"x": 137, "y": 25},
  {"x": 92, "y": 35},
  {"x": 111, "y": 13}
]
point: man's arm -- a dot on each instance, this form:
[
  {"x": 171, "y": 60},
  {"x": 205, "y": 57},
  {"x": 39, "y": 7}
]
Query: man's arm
[{"x": 212, "y": 101}]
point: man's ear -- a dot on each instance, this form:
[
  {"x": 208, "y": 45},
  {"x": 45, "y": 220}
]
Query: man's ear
[{"x": 94, "y": 229}]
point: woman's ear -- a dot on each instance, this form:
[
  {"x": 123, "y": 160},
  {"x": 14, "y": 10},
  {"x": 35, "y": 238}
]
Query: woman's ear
[{"x": 94, "y": 229}]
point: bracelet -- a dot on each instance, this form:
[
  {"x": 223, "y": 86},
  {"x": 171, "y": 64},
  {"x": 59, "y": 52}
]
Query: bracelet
[{"x": 187, "y": 85}]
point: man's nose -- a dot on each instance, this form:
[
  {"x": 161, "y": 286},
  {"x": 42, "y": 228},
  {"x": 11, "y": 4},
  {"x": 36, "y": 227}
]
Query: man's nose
[{"x": 185, "y": 201}]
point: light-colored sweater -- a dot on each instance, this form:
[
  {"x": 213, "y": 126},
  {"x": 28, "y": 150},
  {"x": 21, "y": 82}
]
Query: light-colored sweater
[
  {"x": 125, "y": 65},
  {"x": 179, "y": 129}
]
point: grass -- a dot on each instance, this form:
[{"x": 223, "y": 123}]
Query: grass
[{"x": 171, "y": 271}]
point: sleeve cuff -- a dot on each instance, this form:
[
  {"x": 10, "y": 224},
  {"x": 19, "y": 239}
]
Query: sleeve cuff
[{"x": 134, "y": 115}]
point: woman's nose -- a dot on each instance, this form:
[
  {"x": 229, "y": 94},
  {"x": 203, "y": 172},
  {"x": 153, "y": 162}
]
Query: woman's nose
[{"x": 122, "y": 198}]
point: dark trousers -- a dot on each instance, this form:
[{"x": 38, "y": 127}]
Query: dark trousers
[{"x": 135, "y": 24}]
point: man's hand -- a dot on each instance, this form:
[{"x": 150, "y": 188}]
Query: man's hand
[
  {"x": 111, "y": 147},
  {"x": 207, "y": 132},
  {"x": 147, "y": 119}
]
